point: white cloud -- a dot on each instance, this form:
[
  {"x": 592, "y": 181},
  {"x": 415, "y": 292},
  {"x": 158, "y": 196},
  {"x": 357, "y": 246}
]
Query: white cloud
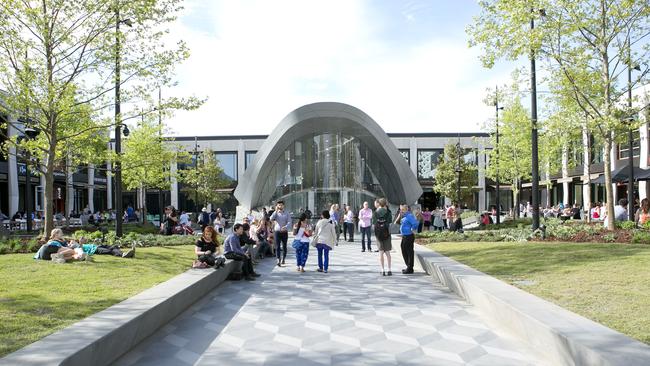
[{"x": 259, "y": 60}]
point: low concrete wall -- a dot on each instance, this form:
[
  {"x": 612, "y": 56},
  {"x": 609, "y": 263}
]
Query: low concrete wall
[
  {"x": 556, "y": 334},
  {"x": 103, "y": 337}
]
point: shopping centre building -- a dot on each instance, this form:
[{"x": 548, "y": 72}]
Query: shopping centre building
[{"x": 318, "y": 154}]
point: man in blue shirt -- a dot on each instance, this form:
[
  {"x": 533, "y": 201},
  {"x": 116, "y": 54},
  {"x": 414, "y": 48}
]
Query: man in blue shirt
[
  {"x": 281, "y": 225},
  {"x": 233, "y": 250},
  {"x": 408, "y": 227}
]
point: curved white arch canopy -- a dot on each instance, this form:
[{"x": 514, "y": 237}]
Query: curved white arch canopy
[{"x": 400, "y": 184}]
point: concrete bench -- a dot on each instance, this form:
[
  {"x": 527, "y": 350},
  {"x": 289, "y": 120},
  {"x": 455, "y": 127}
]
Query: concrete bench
[
  {"x": 556, "y": 334},
  {"x": 102, "y": 338}
]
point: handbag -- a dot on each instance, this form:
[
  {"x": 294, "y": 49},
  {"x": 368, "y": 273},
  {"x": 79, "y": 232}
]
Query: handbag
[
  {"x": 296, "y": 244},
  {"x": 314, "y": 241}
]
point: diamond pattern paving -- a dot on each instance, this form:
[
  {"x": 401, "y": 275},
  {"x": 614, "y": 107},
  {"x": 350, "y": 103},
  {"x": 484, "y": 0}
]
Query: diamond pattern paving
[{"x": 349, "y": 316}]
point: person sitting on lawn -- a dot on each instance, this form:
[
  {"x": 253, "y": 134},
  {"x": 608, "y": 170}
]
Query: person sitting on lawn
[
  {"x": 56, "y": 249},
  {"x": 207, "y": 246}
]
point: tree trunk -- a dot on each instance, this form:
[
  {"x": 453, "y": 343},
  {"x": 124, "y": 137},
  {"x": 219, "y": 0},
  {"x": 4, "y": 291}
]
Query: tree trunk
[
  {"x": 586, "y": 170},
  {"x": 609, "y": 192},
  {"x": 49, "y": 194}
]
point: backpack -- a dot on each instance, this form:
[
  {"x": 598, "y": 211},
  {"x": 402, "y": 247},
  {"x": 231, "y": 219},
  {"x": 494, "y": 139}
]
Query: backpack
[{"x": 382, "y": 229}]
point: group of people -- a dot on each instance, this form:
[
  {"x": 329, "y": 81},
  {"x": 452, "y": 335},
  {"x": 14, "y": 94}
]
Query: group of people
[
  {"x": 254, "y": 238},
  {"x": 439, "y": 219},
  {"x": 60, "y": 250}
]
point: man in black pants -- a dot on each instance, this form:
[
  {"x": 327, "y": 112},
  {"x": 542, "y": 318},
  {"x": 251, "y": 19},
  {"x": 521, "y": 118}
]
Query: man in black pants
[
  {"x": 409, "y": 225},
  {"x": 232, "y": 250}
]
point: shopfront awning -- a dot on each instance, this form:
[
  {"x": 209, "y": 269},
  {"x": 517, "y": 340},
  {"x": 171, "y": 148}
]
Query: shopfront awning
[{"x": 620, "y": 175}]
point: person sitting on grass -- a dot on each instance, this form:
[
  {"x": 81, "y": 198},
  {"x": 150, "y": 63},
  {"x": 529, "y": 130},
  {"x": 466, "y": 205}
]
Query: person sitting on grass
[
  {"x": 207, "y": 246},
  {"x": 232, "y": 250},
  {"x": 56, "y": 249}
]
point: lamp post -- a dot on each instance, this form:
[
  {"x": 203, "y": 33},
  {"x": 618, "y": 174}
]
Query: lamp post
[
  {"x": 533, "y": 118},
  {"x": 160, "y": 198},
  {"x": 30, "y": 134},
  {"x": 630, "y": 137},
  {"x": 458, "y": 171},
  {"x": 498, "y": 193},
  {"x": 118, "y": 124},
  {"x": 196, "y": 167}
]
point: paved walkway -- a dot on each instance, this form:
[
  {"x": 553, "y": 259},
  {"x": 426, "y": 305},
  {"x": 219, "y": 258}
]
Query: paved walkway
[{"x": 350, "y": 316}]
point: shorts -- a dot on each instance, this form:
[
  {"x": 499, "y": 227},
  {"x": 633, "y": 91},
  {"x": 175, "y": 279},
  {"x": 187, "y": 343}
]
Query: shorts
[{"x": 49, "y": 250}]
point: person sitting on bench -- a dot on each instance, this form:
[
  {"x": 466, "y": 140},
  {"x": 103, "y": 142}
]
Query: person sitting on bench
[{"x": 232, "y": 250}]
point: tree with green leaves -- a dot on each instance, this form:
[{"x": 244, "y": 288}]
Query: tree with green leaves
[
  {"x": 205, "y": 180},
  {"x": 56, "y": 56},
  {"x": 446, "y": 176},
  {"x": 146, "y": 159},
  {"x": 587, "y": 41}
]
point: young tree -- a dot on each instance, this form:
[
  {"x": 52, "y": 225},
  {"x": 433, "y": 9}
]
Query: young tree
[
  {"x": 59, "y": 55},
  {"x": 446, "y": 177},
  {"x": 205, "y": 180},
  {"x": 580, "y": 39},
  {"x": 146, "y": 160}
]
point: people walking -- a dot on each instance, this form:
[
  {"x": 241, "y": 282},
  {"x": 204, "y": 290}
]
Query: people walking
[
  {"x": 408, "y": 227},
  {"x": 324, "y": 239},
  {"x": 349, "y": 223},
  {"x": 382, "y": 219},
  {"x": 365, "y": 224},
  {"x": 334, "y": 217},
  {"x": 281, "y": 224},
  {"x": 302, "y": 232}
]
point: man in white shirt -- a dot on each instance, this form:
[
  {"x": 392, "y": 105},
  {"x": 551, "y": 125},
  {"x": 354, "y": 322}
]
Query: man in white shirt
[
  {"x": 184, "y": 219},
  {"x": 620, "y": 210}
]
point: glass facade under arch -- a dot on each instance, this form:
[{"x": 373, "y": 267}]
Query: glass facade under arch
[{"x": 318, "y": 170}]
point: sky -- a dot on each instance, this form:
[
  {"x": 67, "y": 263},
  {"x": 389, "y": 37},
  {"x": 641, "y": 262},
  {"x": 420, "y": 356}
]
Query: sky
[{"x": 406, "y": 64}]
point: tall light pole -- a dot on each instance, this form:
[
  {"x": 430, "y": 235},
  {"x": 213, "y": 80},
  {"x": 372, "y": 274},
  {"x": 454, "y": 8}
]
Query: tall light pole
[
  {"x": 160, "y": 198},
  {"x": 630, "y": 137},
  {"x": 498, "y": 195},
  {"x": 118, "y": 124},
  {"x": 533, "y": 118},
  {"x": 458, "y": 171}
]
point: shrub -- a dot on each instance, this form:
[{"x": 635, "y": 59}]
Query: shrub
[
  {"x": 626, "y": 225},
  {"x": 641, "y": 237}
]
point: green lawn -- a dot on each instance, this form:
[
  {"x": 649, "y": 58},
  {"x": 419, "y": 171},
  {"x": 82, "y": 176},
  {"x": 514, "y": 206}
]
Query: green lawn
[
  {"x": 608, "y": 283},
  {"x": 39, "y": 297}
]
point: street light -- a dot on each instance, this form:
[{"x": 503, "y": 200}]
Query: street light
[
  {"x": 458, "y": 171},
  {"x": 29, "y": 134},
  {"x": 630, "y": 137},
  {"x": 533, "y": 118},
  {"x": 118, "y": 124},
  {"x": 498, "y": 198}
]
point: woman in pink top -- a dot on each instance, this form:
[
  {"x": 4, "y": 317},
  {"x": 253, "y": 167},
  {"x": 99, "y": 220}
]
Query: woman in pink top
[
  {"x": 365, "y": 223},
  {"x": 426, "y": 215}
]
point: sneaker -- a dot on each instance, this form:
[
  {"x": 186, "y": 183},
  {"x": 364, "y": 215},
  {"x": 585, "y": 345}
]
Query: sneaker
[
  {"x": 363, "y": 251},
  {"x": 129, "y": 254},
  {"x": 383, "y": 273},
  {"x": 390, "y": 273},
  {"x": 324, "y": 271},
  {"x": 255, "y": 274},
  {"x": 279, "y": 265},
  {"x": 320, "y": 270},
  {"x": 249, "y": 278},
  {"x": 283, "y": 261}
]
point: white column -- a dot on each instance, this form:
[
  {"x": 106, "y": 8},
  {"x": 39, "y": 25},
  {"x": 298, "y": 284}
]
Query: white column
[
  {"x": 481, "y": 179},
  {"x": 91, "y": 187},
  {"x": 241, "y": 159},
  {"x": 565, "y": 175},
  {"x": 311, "y": 202},
  {"x": 174, "y": 184},
  {"x": 13, "y": 171},
  {"x": 109, "y": 186},
  {"x": 413, "y": 153}
]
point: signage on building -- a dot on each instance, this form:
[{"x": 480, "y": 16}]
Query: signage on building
[{"x": 100, "y": 180}]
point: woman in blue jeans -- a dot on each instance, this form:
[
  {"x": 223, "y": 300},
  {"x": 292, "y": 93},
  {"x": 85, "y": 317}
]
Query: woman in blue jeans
[
  {"x": 301, "y": 232},
  {"x": 325, "y": 240}
]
